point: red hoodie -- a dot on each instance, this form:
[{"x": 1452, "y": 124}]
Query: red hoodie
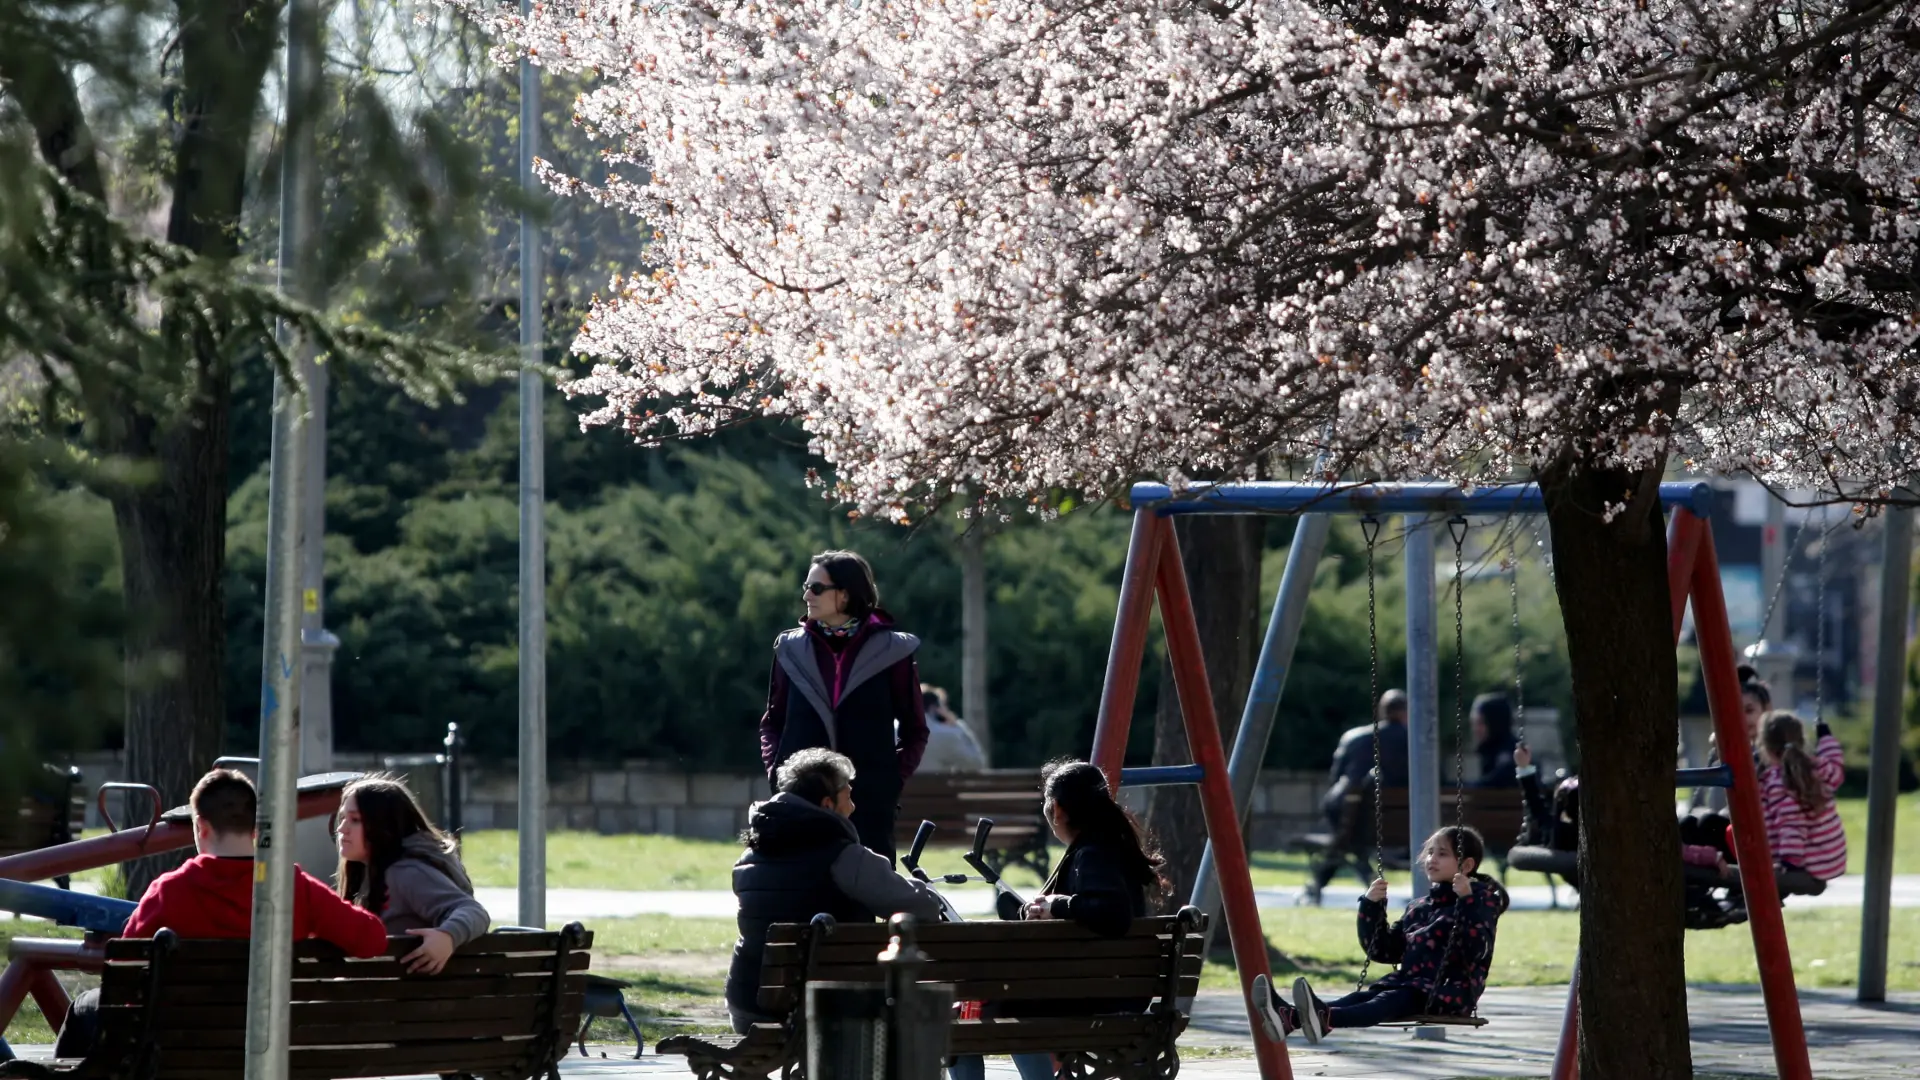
[{"x": 212, "y": 897}]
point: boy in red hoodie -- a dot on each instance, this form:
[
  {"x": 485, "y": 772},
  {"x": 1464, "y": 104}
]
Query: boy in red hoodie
[{"x": 211, "y": 896}]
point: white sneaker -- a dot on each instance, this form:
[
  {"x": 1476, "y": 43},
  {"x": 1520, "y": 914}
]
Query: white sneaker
[
  {"x": 1311, "y": 1022},
  {"x": 1265, "y": 1006}
]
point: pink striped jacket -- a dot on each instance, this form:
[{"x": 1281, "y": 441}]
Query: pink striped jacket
[{"x": 1814, "y": 842}]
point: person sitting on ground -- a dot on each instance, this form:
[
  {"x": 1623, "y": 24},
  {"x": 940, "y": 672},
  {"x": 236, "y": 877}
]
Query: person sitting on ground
[
  {"x": 1443, "y": 946},
  {"x": 393, "y": 862},
  {"x": 951, "y": 745},
  {"x": 803, "y": 858},
  {"x": 1494, "y": 741},
  {"x": 211, "y": 896},
  {"x": 1352, "y": 772},
  {"x": 1103, "y": 882},
  {"x": 1796, "y": 793}
]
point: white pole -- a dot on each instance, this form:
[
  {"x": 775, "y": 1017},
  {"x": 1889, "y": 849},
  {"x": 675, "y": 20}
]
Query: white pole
[
  {"x": 533, "y": 535},
  {"x": 270, "y": 952}
]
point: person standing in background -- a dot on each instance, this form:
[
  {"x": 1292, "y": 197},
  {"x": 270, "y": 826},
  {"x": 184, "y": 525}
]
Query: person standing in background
[{"x": 846, "y": 680}]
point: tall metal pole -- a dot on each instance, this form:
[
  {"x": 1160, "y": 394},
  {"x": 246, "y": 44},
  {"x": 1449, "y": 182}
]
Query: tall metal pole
[
  {"x": 270, "y": 952},
  {"x": 1883, "y": 770},
  {"x": 1263, "y": 697},
  {"x": 533, "y": 532},
  {"x": 1423, "y": 685}
]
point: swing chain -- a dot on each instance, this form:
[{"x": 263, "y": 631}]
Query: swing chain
[
  {"x": 1370, "y": 531},
  {"x": 1519, "y": 671},
  {"x": 1457, "y": 527},
  {"x": 1820, "y": 635}
]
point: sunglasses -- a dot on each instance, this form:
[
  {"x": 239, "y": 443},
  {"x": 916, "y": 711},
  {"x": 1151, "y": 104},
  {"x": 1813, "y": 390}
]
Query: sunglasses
[{"x": 815, "y": 588}]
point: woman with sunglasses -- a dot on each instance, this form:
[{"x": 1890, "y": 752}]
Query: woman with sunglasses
[{"x": 843, "y": 679}]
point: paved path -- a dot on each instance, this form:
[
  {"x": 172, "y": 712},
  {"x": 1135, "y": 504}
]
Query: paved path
[
  {"x": 1847, "y": 1042},
  {"x": 567, "y": 904}
]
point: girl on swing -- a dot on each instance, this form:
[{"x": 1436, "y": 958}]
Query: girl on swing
[{"x": 1443, "y": 946}]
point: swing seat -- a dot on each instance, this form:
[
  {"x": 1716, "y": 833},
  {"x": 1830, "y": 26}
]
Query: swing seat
[{"x": 1437, "y": 1020}]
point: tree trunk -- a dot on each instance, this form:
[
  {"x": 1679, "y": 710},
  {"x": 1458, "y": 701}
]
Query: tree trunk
[
  {"x": 973, "y": 636},
  {"x": 173, "y": 532},
  {"x": 1222, "y": 558},
  {"x": 1612, "y": 583}
]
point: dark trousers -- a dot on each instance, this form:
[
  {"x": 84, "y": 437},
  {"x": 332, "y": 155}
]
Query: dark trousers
[
  {"x": 1377, "y": 1005},
  {"x": 873, "y": 818},
  {"x": 81, "y": 1033}
]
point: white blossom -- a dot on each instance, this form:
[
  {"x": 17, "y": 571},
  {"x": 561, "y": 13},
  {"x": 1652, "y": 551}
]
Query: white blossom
[{"x": 1023, "y": 246}]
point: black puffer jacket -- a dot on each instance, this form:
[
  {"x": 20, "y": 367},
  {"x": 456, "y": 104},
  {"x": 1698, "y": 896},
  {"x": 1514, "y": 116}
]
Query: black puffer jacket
[{"x": 785, "y": 875}]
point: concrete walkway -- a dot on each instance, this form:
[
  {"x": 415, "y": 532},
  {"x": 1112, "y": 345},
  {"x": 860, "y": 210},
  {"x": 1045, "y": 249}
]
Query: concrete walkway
[
  {"x": 1846, "y": 1041},
  {"x": 567, "y": 904}
]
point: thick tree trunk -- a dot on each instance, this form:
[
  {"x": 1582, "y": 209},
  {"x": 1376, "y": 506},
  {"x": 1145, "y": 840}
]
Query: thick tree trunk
[
  {"x": 173, "y": 533},
  {"x": 973, "y": 637},
  {"x": 1222, "y": 558},
  {"x": 1612, "y": 580}
]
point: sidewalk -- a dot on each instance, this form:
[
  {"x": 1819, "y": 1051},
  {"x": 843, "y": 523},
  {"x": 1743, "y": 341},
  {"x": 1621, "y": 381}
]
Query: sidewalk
[
  {"x": 567, "y": 904},
  {"x": 1847, "y": 1042}
]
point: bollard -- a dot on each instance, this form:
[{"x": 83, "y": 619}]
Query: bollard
[{"x": 895, "y": 1029}]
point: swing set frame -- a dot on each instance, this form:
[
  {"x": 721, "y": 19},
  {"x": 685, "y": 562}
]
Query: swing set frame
[{"x": 1154, "y": 572}]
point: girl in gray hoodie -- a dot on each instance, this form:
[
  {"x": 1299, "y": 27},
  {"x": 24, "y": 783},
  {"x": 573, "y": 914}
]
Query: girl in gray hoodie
[{"x": 395, "y": 863}]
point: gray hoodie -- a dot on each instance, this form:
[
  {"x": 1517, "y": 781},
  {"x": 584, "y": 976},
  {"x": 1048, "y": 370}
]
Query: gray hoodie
[{"x": 427, "y": 887}]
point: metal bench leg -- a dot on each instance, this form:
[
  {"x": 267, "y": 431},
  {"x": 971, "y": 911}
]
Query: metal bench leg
[{"x": 639, "y": 1044}]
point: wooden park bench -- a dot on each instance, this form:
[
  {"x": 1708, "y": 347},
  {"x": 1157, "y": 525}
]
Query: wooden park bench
[
  {"x": 1498, "y": 813},
  {"x": 504, "y": 1008},
  {"x": 49, "y": 813},
  {"x": 1157, "y": 960},
  {"x": 955, "y": 803}
]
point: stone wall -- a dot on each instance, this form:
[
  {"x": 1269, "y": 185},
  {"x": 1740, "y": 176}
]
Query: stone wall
[{"x": 648, "y": 797}]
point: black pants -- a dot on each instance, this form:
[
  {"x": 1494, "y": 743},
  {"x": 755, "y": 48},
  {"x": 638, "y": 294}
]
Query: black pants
[
  {"x": 873, "y": 817},
  {"x": 81, "y": 1033},
  {"x": 1377, "y": 1005}
]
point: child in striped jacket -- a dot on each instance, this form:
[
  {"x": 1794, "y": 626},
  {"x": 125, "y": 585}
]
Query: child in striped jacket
[{"x": 1796, "y": 791}]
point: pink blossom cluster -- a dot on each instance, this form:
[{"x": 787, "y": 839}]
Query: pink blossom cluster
[{"x": 1016, "y": 246}]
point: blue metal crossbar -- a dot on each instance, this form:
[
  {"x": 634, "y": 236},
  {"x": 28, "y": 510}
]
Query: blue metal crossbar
[
  {"x": 1712, "y": 776},
  {"x": 97, "y": 914},
  {"x": 1411, "y": 498},
  {"x": 1161, "y": 775}
]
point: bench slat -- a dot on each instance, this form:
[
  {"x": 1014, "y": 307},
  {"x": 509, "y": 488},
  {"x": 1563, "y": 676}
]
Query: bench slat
[
  {"x": 194, "y": 971},
  {"x": 992, "y": 968},
  {"x": 340, "y": 990},
  {"x": 449, "y": 1055},
  {"x": 504, "y": 1013},
  {"x": 545, "y": 941},
  {"x": 840, "y": 952}
]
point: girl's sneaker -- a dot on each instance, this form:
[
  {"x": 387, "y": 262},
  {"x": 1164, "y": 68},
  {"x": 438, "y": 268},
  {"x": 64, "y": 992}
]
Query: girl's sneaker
[
  {"x": 1314, "y": 1018},
  {"x": 1277, "y": 1018}
]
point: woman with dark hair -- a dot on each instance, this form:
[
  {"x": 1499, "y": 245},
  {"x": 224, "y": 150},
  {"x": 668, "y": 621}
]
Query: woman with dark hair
[
  {"x": 1494, "y": 741},
  {"x": 1103, "y": 882},
  {"x": 394, "y": 863},
  {"x": 846, "y": 680}
]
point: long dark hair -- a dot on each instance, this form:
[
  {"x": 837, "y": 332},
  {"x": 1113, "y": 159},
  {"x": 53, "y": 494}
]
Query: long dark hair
[
  {"x": 388, "y": 815},
  {"x": 1080, "y": 791},
  {"x": 1498, "y": 716},
  {"x": 1750, "y": 683},
  {"x": 853, "y": 577},
  {"x": 1785, "y": 738}
]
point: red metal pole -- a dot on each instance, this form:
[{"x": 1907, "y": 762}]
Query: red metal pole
[
  {"x": 50, "y": 996},
  {"x": 15, "y": 982},
  {"x": 1683, "y": 550},
  {"x": 1216, "y": 795},
  {"x": 1566, "y": 1055},
  {"x": 1715, "y": 637},
  {"x": 98, "y": 851},
  {"x": 1129, "y": 647}
]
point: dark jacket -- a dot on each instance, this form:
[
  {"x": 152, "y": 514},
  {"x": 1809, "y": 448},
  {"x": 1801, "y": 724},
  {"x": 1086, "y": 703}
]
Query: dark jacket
[
  {"x": 1092, "y": 887},
  {"x": 803, "y": 860},
  {"x": 1443, "y": 944},
  {"x": 1353, "y": 761},
  {"x": 1496, "y": 762}
]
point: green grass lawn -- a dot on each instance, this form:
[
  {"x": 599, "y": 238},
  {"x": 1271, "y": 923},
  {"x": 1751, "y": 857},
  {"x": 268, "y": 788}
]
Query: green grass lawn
[{"x": 585, "y": 860}]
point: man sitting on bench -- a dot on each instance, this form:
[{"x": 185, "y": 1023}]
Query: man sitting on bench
[
  {"x": 803, "y": 858},
  {"x": 1353, "y": 772},
  {"x": 211, "y": 896}
]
